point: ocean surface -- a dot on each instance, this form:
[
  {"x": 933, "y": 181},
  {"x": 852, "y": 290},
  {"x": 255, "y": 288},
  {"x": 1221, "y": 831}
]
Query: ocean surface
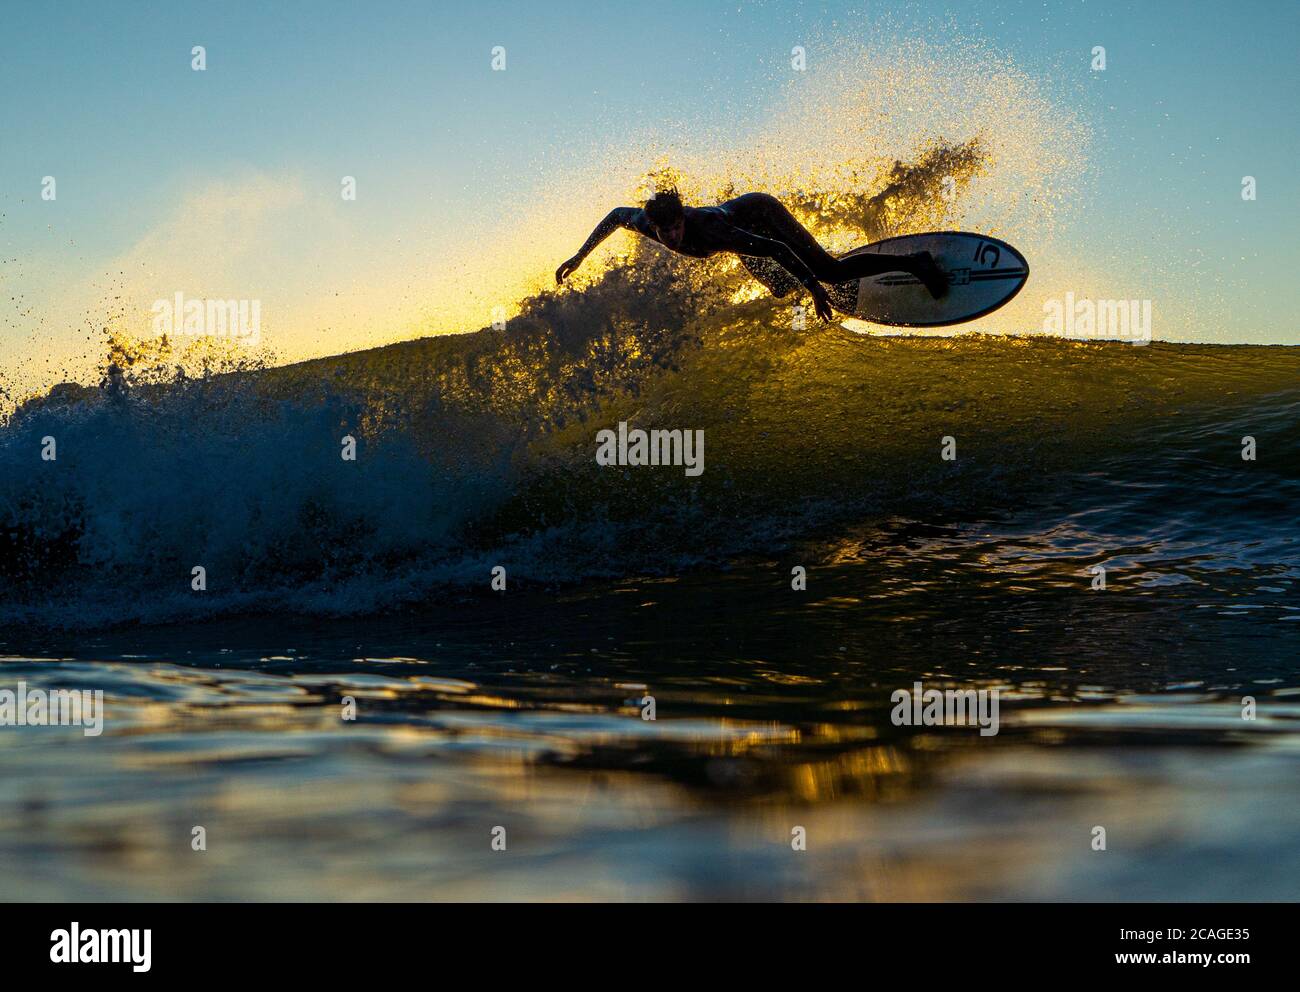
[{"x": 329, "y": 580}]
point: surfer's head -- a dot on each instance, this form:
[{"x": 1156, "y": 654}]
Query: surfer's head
[{"x": 666, "y": 214}]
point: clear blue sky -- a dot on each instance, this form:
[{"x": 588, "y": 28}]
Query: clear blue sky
[{"x": 100, "y": 95}]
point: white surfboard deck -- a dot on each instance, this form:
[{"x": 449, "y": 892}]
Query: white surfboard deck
[{"x": 983, "y": 274}]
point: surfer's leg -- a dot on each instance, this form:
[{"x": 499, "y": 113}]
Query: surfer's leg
[
  {"x": 922, "y": 265},
  {"x": 767, "y": 216},
  {"x": 768, "y": 212}
]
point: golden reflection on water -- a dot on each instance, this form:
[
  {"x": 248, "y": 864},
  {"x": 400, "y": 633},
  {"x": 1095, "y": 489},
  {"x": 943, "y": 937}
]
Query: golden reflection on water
[
  {"x": 780, "y": 724},
  {"x": 386, "y": 811}
]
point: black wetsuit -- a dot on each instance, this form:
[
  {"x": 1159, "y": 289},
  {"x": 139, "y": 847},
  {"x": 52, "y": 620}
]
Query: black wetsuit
[{"x": 776, "y": 249}]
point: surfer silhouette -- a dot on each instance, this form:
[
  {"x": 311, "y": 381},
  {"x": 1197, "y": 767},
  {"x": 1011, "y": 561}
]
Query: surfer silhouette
[{"x": 759, "y": 229}]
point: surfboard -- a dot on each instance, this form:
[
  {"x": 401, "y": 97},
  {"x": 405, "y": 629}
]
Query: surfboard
[{"x": 984, "y": 273}]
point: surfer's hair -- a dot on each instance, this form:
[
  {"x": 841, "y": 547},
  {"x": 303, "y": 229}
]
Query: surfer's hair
[{"x": 665, "y": 207}]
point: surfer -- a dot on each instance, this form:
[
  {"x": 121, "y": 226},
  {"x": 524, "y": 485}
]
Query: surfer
[{"x": 754, "y": 226}]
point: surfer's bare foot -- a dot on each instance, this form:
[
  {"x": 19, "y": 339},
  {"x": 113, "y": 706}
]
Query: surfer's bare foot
[{"x": 928, "y": 271}]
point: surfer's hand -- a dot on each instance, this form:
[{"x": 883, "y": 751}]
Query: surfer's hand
[
  {"x": 567, "y": 269},
  {"x": 822, "y": 303}
]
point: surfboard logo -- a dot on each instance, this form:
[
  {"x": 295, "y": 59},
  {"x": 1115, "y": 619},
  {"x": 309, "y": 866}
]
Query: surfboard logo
[{"x": 981, "y": 253}]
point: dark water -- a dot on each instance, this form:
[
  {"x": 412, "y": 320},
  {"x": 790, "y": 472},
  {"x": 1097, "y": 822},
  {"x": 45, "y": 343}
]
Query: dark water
[{"x": 1120, "y": 708}]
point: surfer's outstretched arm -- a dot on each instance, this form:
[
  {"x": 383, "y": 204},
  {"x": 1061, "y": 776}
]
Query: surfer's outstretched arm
[{"x": 616, "y": 218}]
